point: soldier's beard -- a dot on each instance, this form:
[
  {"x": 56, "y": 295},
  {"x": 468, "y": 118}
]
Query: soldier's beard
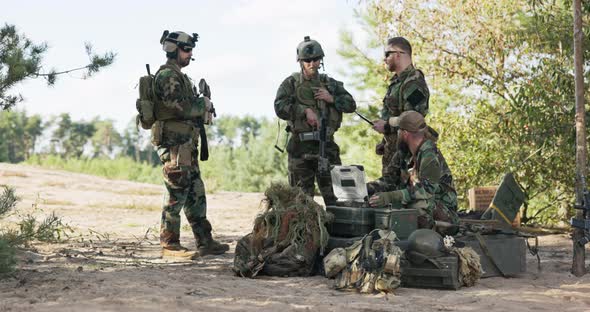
[
  {"x": 184, "y": 62},
  {"x": 402, "y": 146},
  {"x": 310, "y": 72}
]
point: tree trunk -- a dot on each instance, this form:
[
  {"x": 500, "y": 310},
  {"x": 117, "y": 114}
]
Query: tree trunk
[{"x": 579, "y": 259}]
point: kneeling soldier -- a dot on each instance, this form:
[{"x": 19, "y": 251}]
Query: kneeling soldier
[{"x": 428, "y": 184}]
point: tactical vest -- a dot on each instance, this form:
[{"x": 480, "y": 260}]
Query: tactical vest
[
  {"x": 166, "y": 113},
  {"x": 169, "y": 129},
  {"x": 304, "y": 95}
]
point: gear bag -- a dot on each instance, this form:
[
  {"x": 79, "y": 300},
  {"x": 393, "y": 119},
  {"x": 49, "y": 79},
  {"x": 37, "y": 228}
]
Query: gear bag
[{"x": 146, "y": 102}]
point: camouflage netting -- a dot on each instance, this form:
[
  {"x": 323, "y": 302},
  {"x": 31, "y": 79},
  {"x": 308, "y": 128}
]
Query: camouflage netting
[
  {"x": 287, "y": 235},
  {"x": 469, "y": 265}
]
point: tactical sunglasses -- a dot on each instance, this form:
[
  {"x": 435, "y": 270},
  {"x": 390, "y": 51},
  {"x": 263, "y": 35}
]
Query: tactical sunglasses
[
  {"x": 186, "y": 49},
  {"x": 388, "y": 53},
  {"x": 315, "y": 59}
]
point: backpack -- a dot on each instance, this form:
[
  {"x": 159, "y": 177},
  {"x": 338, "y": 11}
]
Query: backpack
[{"x": 146, "y": 102}]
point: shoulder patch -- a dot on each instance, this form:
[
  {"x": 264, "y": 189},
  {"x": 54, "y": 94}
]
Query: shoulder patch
[{"x": 416, "y": 97}]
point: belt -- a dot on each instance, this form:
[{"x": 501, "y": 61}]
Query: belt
[{"x": 312, "y": 136}]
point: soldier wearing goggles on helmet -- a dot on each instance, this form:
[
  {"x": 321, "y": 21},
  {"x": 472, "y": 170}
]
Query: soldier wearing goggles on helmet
[
  {"x": 299, "y": 100},
  {"x": 180, "y": 112}
]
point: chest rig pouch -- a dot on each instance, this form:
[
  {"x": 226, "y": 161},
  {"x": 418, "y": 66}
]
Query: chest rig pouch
[
  {"x": 304, "y": 95},
  {"x": 170, "y": 129}
]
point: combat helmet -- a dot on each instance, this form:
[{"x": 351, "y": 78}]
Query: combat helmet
[
  {"x": 426, "y": 242},
  {"x": 309, "y": 49},
  {"x": 177, "y": 39}
]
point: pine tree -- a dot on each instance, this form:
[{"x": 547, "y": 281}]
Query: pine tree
[{"x": 21, "y": 59}]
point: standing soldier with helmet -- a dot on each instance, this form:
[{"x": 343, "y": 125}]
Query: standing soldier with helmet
[
  {"x": 407, "y": 91},
  {"x": 312, "y": 104},
  {"x": 180, "y": 118}
]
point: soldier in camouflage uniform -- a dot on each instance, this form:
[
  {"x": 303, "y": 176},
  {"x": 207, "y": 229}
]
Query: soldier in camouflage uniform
[
  {"x": 407, "y": 91},
  {"x": 299, "y": 101},
  {"x": 428, "y": 184},
  {"x": 180, "y": 116}
]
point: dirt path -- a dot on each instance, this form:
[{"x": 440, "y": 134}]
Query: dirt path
[{"x": 112, "y": 262}]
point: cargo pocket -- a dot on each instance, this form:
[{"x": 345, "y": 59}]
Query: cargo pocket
[
  {"x": 176, "y": 176},
  {"x": 185, "y": 154},
  {"x": 157, "y": 129}
]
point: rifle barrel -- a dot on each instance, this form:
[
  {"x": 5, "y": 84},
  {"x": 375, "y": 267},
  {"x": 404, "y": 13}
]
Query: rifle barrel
[{"x": 364, "y": 118}]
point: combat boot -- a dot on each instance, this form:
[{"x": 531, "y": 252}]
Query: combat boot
[
  {"x": 212, "y": 247},
  {"x": 206, "y": 245},
  {"x": 178, "y": 251},
  {"x": 171, "y": 247}
]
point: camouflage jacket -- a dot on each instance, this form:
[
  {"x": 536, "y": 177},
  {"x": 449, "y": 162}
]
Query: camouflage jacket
[
  {"x": 177, "y": 95},
  {"x": 295, "y": 94},
  {"x": 429, "y": 179},
  {"x": 407, "y": 91}
]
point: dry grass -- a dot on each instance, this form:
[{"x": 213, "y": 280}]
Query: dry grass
[
  {"x": 57, "y": 202},
  {"x": 142, "y": 192},
  {"x": 146, "y": 206},
  {"x": 17, "y": 174},
  {"x": 54, "y": 184},
  {"x": 149, "y": 206}
]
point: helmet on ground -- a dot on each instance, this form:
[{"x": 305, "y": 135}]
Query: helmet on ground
[
  {"x": 426, "y": 242},
  {"x": 177, "y": 39},
  {"x": 309, "y": 49}
]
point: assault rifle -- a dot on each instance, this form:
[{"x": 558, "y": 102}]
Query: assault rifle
[
  {"x": 323, "y": 164},
  {"x": 583, "y": 224},
  {"x": 364, "y": 118},
  {"x": 204, "y": 90}
]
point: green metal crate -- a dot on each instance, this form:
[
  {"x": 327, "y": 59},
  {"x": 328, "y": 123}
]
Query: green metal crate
[{"x": 442, "y": 272}]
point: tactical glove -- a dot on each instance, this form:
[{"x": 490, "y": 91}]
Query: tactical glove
[{"x": 383, "y": 199}]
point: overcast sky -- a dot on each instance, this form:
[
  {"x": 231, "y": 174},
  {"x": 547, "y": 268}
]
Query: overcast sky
[{"x": 245, "y": 50}]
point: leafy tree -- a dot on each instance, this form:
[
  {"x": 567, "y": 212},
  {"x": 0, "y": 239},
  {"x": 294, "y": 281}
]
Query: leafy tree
[
  {"x": 247, "y": 167},
  {"x": 70, "y": 138},
  {"x": 21, "y": 59},
  {"x": 137, "y": 145},
  {"x": 224, "y": 130},
  {"x": 105, "y": 140},
  {"x": 18, "y": 135},
  {"x": 501, "y": 75},
  {"x": 249, "y": 128}
]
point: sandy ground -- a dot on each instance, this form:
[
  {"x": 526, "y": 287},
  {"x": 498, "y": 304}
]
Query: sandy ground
[{"x": 112, "y": 261}]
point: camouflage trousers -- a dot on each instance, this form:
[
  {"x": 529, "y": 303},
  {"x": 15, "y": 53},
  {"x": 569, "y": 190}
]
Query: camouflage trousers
[
  {"x": 445, "y": 209},
  {"x": 390, "y": 161},
  {"x": 441, "y": 208},
  {"x": 303, "y": 171},
  {"x": 184, "y": 189}
]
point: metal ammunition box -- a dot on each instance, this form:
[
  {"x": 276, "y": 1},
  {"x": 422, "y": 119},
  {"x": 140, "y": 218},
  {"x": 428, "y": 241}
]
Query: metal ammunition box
[
  {"x": 402, "y": 221},
  {"x": 440, "y": 272},
  {"x": 351, "y": 221},
  {"x": 507, "y": 253}
]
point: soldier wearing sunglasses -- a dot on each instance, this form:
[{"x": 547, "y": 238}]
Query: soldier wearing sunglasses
[
  {"x": 301, "y": 100},
  {"x": 407, "y": 91},
  {"x": 179, "y": 124}
]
